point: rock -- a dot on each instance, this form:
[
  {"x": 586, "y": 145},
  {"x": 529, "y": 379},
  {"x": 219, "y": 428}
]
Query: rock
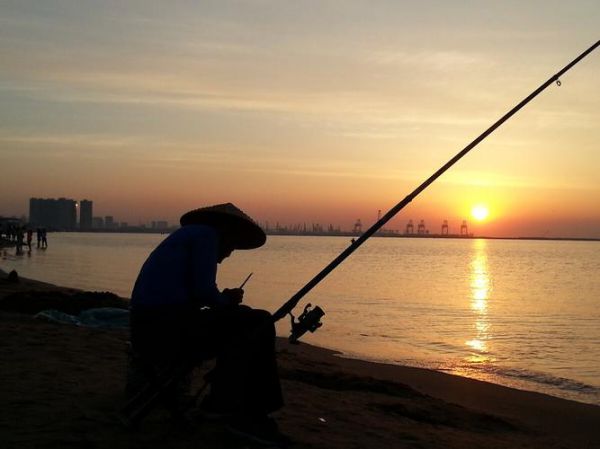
[{"x": 13, "y": 277}]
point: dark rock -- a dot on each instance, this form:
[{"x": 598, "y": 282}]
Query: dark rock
[{"x": 13, "y": 277}]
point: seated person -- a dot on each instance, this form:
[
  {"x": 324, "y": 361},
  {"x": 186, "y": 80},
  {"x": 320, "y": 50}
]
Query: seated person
[{"x": 177, "y": 313}]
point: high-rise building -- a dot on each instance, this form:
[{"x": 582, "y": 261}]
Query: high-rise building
[
  {"x": 60, "y": 214},
  {"x": 85, "y": 215},
  {"x": 98, "y": 223}
]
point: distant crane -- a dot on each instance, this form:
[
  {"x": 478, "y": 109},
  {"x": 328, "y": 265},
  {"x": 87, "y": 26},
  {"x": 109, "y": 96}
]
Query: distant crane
[
  {"x": 410, "y": 228},
  {"x": 421, "y": 228},
  {"x": 445, "y": 227},
  {"x": 463, "y": 228},
  {"x": 357, "y": 227}
]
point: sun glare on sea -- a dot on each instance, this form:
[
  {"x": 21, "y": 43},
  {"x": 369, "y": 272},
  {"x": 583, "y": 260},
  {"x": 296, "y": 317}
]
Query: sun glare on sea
[{"x": 480, "y": 212}]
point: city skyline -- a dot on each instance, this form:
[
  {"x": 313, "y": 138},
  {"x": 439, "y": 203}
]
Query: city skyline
[
  {"x": 320, "y": 113},
  {"x": 70, "y": 214},
  {"x": 86, "y": 220},
  {"x": 81, "y": 217}
]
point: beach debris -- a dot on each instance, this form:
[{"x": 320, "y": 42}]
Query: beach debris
[
  {"x": 323, "y": 420},
  {"x": 99, "y": 318},
  {"x": 56, "y": 316}
]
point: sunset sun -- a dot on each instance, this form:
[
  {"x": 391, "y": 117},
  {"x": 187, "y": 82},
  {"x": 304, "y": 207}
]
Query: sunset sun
[{"x": 480, "y": 212}]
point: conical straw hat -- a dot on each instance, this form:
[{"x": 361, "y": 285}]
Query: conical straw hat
[{"x": 242, "y": 230}]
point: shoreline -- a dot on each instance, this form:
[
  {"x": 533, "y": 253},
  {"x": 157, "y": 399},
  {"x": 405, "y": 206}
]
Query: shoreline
[
  {"x": 76, "y": 374},
  {"x": 8, "y": 244},
  {"x": 529, "y": 382},
  {"x": 526, "y": 386}
]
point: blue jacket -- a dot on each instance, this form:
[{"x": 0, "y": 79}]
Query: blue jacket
[{"x": 181, "y": 270}]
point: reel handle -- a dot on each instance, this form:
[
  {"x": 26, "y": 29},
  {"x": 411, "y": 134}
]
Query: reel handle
[{"x": 308, "y": 321}]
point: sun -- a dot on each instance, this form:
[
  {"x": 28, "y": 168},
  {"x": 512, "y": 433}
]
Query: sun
[{"x": 480, "y": 212}]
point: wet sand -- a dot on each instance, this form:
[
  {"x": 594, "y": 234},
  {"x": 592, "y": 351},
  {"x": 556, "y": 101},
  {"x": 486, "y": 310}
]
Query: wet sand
[{"x": 60, "y": 387}]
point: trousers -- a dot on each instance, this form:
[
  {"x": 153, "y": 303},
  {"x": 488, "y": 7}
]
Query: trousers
[{"x": 240, "y": 338}]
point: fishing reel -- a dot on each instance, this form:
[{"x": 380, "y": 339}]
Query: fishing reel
[{"x": 309, "y": 320}]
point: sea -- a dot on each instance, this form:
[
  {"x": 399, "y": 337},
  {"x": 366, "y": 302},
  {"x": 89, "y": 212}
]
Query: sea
[{"x": 519, "y": 313}]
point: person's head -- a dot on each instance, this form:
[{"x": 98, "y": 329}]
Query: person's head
[
  {"x": 236, "y": 230},
  {"x": 226, "y": 246}
]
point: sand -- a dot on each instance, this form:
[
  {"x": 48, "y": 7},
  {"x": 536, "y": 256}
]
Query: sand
[{"x": 60, "y": 386}]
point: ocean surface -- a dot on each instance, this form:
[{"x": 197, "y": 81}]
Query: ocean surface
[{"x": 519, "y": 313}]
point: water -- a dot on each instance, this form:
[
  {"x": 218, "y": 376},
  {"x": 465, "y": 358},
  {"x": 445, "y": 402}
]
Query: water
[{"x": 518, "y": 313}]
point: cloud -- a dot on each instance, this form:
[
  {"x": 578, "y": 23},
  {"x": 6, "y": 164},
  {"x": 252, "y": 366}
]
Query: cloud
[
  {"x": 448, "y": 60},
  {"x": 507, "y": 181}
]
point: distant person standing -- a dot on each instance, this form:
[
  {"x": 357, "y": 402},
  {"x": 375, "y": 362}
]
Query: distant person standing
[
  {"x": 38, "y": 233},
  {"x": 29, "y": 237},
  {"x": 20, "y": 236},
  {"x": 44, "y": 238}
]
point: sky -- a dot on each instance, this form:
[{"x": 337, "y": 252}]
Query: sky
[{"x": 304, "y": 111}]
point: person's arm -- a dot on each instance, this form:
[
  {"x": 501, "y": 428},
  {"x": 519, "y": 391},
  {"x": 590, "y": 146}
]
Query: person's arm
[{"x": 204, "y": 256}]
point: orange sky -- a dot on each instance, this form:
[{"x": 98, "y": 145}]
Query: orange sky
[{"x": 310, "y": 112}]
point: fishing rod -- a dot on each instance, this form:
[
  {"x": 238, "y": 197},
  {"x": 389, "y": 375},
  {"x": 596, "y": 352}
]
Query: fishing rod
[{"x": 309, "y": 320}]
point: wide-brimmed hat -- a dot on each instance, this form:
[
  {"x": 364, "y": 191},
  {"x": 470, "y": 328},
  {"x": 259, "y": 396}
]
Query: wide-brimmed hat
[{"x": 243, "y": 232}]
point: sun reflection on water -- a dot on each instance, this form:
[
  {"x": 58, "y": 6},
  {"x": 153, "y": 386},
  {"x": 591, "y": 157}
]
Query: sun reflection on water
[{"x": 480, "y": 283}]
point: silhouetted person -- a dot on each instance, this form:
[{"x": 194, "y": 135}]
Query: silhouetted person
[
  {"x": 38, "y": 233},
  {"x": 20, "y": 237},
  {"x": 178, "y": 312},
  {"x": 44, "y": 238},
  {"x": 29, "y": 237}
]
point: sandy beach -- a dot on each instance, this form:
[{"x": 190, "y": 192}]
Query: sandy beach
[{"x": 61, "y": 386}]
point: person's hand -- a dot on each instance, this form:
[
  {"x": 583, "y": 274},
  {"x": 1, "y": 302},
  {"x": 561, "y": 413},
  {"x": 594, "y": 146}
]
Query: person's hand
[{"x": 234, "y": 295}]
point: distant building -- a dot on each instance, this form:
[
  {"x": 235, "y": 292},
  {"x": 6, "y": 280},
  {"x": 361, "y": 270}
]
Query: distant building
[
  {"x": 7, "y": 223},
  {"x": 97, "y": 223},
  {"x": 85, "y": 215},
  {"x": 160, "y": 225},
  {"x": 59, "y": 214},
  {"x": 109, "y": 222}
]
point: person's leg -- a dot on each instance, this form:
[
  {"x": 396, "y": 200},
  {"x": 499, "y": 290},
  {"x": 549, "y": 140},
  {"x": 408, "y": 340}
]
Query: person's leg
[
  {"x": 246, "y": 379},
  {"x": 245, "y": 384},
  {"x": 157, "y": 344}
]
